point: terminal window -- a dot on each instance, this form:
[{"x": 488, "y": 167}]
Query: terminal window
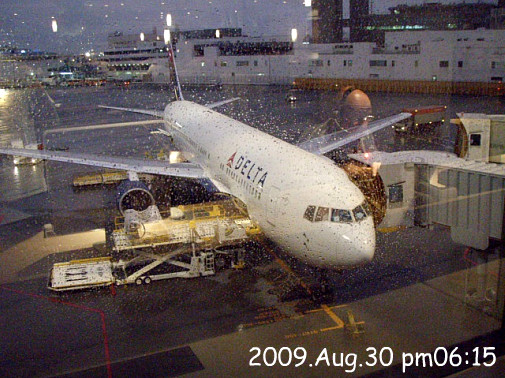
[
  {"x": 498, "y": 65},
  {"x": 315, "y": 63},
  {"x": 378, "y": 63},
  {"x": 444, "y": 63}
]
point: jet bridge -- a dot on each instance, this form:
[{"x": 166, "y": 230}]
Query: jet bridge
[{"x": 429, "y": 187}]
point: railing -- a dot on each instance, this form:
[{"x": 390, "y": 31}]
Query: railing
[
  {"x": 238, "y": 79},
  {"x": 378, "y": 50},
  {"x": 404, "y": 86}
]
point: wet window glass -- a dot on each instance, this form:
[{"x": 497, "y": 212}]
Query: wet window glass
[{"x": 135, "y": 224}]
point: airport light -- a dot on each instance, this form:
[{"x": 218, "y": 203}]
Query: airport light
[
  {"x": 54, "y": 25},
  {"x": 294, "y": 35},
  {"x": 3, "y": 95},
  {"x": 142, "y": 37},
  {"x": 218, "y": 33},
  {"x": 169, "y": 19},
  {"x": 166, "y": 36}
]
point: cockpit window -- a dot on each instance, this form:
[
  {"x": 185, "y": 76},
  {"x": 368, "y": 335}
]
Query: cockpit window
[
  {"x": 322, "y": 214},
  {"x": 359, "y": 213},
  {"x": 309, "y": 213},
  {"x": 367, "y": 208},
  {"x": 338, "y": 215}
]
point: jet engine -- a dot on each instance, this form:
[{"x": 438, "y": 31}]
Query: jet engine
[{"x": 133, "y": 195}]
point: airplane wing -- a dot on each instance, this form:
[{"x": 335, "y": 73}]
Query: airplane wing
[
  {"x": 155, "y": 113},
  {"x": 159, "y": 113},
  {"x": 189, "y": 170},
  {"x": 102, "y": 126},
  {"x": 221, "y": 103},
  {"x": 330, "y": 142}
]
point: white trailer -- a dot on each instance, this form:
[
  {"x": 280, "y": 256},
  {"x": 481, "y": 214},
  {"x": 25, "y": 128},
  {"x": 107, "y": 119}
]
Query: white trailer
[
  {"x": 100, "y": 272},
  {"x": 81, "y": 274}
]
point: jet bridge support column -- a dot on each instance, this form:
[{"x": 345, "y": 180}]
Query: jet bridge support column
[
  {"x": 501, "y": 289},
  {"x": 501, "y": 280}
]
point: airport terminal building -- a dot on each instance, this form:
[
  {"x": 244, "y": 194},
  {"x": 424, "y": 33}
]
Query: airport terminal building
[{"x": 445, "y": 56}]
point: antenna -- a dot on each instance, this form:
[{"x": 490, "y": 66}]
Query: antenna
[{"x": 174, "y": 77}]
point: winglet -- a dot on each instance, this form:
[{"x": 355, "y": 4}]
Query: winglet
[{"x": 174, "y": 76}]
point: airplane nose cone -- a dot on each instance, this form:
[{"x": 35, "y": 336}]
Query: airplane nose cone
[
  {"x": 360, "y": 247},
  {"x": 365, "y": 250}
]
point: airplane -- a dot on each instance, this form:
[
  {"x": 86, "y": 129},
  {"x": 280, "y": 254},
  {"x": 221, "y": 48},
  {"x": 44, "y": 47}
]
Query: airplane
[{"x": 301, "y": 199}]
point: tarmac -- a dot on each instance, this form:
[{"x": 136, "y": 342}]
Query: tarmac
[{"x": 211, "y": 326}]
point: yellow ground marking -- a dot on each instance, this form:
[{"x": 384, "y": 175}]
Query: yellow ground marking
[
  {"x": 330, "y": 329},
  {"x": 333, "y": 316},
  {"x": 386, "y": 230},
  {"x": 321, "y": 309},
  {"x": 325, "y": 308},
  {"x": 311, "y": 332}
]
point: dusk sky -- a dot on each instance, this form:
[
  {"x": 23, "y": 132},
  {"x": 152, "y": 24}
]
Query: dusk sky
[{"x": 84, "y": 24}]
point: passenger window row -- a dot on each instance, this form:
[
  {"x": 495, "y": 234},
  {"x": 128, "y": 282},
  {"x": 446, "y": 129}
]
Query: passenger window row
[{"x": 323, "y": 214}]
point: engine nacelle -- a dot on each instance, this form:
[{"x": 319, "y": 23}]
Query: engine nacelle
[{"x": 133, "y": 195}]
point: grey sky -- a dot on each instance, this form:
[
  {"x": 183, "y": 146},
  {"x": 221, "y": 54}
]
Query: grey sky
[{"x": 84, "y": 24}]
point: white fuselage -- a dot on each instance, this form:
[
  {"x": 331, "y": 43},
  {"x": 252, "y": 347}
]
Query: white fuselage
[{"x": 302, "y": 201}]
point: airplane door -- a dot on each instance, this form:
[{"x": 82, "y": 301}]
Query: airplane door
[
  {"x": 276, "y": 205},
  {"x": 273, "y": 199}
]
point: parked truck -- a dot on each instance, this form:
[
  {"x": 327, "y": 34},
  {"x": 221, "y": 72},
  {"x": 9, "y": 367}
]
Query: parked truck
[{"x": 423, "y": 118}]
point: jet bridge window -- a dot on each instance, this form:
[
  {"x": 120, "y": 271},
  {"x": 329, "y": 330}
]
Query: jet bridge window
[
  {"x": 341, "y": 216},
  {"x": 322, "y": 214},
  {"x": 395, "y": 193},
  {"x": 475, "y": 139},
  {"x": 309, "y": 213}
]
